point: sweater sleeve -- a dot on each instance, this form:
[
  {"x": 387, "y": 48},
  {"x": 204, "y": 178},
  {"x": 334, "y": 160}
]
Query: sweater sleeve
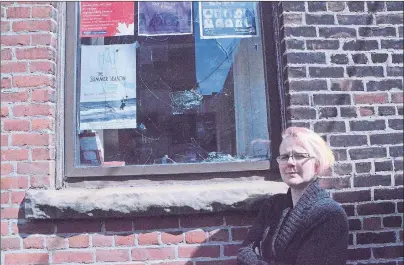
[
  {"x": 246, "y": 254},
  {"x": 327, "y": 244}
]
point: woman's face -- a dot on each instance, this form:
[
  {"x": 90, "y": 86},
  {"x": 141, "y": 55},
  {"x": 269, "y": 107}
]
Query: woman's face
[{"x": 299, "y": 170}]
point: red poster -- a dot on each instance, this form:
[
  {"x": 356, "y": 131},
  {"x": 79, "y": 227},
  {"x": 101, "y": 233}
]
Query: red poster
[{"x": 105, "y": 19}]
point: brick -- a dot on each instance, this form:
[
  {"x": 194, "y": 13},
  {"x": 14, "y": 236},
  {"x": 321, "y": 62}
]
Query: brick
[
  {"x": 319, "y": 19},
  {"x": 6, "y": 169},
  {"x": 328, "y": 112},
  {"x": 5, "y": 26},
  {"x": 392, "y": 221},
  {"x": 379, "y": 57},
  {"x": 336, "y": 6},
  {"x": 398, "y": 165},
  {"x": 40, "y": 182},
  {"x": 26, "y": 258},
  {"x": 363, "y": 167},
  {"x": 33, "y": 110},
  {"x": 342, "y": 169},
  {"x": 11, "y": 213},
  {"x": 369, "y": 152},
  {"x": 394, "y": 71},
  {"x": 375, "y": 6},
  {"x": 198, "y": 251},
  {"x": 397, "y": 97},
  {"x": 128, "y": 240},
  {"x": 14, "y": 96},
  {"x": 317, "y": 6},
  {"x": 72, "y": 256},
  {"x": 102, "y": 240},
  {"x": 305, "y": 58},
  {"x": 201, "y": 221},
  {"x": 354, "y": 224},
  {"x": 386, "y": 111},
  {"x": 377, "y": 31},
  {"x": 387, "y": 138},
  {"x": 195, "y": 236},
  {"x": 297, "y": 113},
  {"x": 340, "y": 155},
  {"x": 363, "y": 71},
  {"x": 396, "y": 124},
  {"x": 359, "y": 58},
  {"x": 310, "y": 85},
  {"x": 387, "y": 252},
  {"x": 32, "y": 81},
  {"x": 34, "y": 168},
  {"x": 217, "y": 235},
  {"x": 396, "y": 151},
  {"x": 57, "y": 242},
  {"x": 293, "y": 44},
  {"x": 120, "y": 225},
  {"x": 165, "y": 222},
  {"x": 392, "y": 44},
  {"x": 6, "y": 54},
  {"x": 347, "y": 85},
  {"x": 112, "y": 255},
  {"x": 293, "y": 6},
  {"x": 14, "y": 155},
  {"x": 4, "y": 140},
  {"x": 79, "y": 241},
  {"x": 42, "y": 12},
  {"x": 18, "y": 12},
  {"x": 15, "y": 125},
  {"x": 43, "y": 67},
  {"x": 17, "y": 197},
  {"x": 5, "y": 197},
  {"x": 326, "y": 72},
  {"x": 372, "y": 180},
  {"x": 44, "y": 39},
  {"x": 42, "y": 124},
  {"x": 372, "y": 223},
  {"x": 292, "y": 18},
  {"x": 174, "y": 237},
  {"x": 373, "y": 208},
  {"x": 375, "y": 238},
  {"x": 148, "y": 239},
  {"x": 14, "y": 67},
  {"x": 33, "y": 242},
  {"x": 31, "y": 139},
  {"x": 397, "y": 58},
  {"x": 5, "y": 82},
  {"x": 364, "y": 19},
  {"x": 384, "y": 85},
  {"x": 355, "y": 6},
  {"x": 296, "y": 72},
  {"x": 82, "y": 226},
  {"x": 371, "y": 98},
  {"x": 366, "y": 111},
  {"x": 394, "y": 6},
  {"x": 43, "y": 95},
  {"x": 15, "y": 40},
  {"x": 235, "y": 219},
  {"x": 383, "y": 166},
  {"x": 358, "y": 254},
  {"x": 360, "y": 45},
  {"x": 143, "y": 254},
  {"x": 352, "y": 196},
  {"x": 36, "y": 53},
  {"x": 400, "y": 110},
  {"x": 239, "y": 234},
  {"x": 389, "y": 194},
  {"x": 339, "y": 59},
  {"x": 337, "y": 32},
  {"x": 348, "y": 140},
  {"x": 10, "y": 243},
  {"x": 33, "y": 26},
  {"x": 331, "y": 99},
  {"x": 302, "y": 31},
  {"x": 13, "y": 182},
  {"x": 42, "y": 154},
  {"x": 34, "y": 227}
]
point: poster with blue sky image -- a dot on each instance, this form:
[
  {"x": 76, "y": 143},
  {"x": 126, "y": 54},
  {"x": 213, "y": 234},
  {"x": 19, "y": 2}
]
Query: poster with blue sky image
[{"x": 108, "y": 87}]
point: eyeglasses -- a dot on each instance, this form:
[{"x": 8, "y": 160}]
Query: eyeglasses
[{"x": 297, "y": 157}]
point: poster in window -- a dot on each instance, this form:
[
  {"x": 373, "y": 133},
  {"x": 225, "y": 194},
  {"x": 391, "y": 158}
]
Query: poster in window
[
  {"x": 106, "y": 19},
  {"x": 228, "y": 20},
  {"x": 164, "y": 18},
  {"x": 108, "y": 87}
]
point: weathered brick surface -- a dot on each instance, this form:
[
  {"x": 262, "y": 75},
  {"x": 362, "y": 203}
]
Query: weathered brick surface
[{"x": 343, "y": 69}]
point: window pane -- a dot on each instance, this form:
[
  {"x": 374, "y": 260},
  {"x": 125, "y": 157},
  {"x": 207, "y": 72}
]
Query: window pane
[{"x": 169, "y": 89}]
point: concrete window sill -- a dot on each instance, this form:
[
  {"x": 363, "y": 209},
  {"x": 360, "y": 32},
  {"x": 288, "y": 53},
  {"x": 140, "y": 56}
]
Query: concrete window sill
[{"x": 77, "y": 203}]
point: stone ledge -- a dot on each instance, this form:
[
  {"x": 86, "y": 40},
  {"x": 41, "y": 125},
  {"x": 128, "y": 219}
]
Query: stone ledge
[{"x": 180, "y": 199}]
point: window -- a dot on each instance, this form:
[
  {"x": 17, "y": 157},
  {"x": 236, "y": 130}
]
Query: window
[{"x": 170, "y": 87}]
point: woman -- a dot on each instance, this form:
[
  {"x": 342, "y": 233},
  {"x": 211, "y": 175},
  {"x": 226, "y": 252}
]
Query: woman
[{"x": 304, "y": 226}]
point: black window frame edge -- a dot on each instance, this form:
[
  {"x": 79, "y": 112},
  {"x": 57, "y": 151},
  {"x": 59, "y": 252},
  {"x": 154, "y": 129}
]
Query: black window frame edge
[{"x": 271, "y": 39}]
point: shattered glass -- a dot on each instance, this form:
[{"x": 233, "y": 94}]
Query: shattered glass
[{"x": 197, "y": 101}]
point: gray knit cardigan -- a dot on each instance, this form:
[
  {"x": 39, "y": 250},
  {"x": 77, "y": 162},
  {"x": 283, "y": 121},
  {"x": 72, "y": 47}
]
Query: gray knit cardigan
[{"x": 314, "y": 232}]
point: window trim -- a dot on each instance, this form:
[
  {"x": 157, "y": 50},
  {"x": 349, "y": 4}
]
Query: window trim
[{"x": 275, "y": 105}]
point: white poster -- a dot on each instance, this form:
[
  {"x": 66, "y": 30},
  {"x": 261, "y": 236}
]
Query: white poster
[{"x": 108, "y": 87}]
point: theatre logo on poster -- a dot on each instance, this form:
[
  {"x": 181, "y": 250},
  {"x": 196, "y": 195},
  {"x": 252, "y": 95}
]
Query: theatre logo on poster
[{"x": 108, "y": 87}]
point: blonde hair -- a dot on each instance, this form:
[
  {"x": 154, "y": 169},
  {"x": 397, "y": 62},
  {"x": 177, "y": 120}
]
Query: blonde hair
[{"x": 314, "y": 144}]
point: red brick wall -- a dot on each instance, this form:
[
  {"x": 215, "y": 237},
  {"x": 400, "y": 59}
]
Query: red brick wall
[{"x": 359, "y": 114}]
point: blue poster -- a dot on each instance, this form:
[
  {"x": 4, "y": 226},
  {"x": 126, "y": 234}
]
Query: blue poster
[
  {"x": 164, "y": 18},
  {"x": 228, "y": 20}
]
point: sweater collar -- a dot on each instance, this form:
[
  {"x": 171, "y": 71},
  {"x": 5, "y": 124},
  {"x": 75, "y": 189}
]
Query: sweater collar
[{"x": 294, "y": 221}]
